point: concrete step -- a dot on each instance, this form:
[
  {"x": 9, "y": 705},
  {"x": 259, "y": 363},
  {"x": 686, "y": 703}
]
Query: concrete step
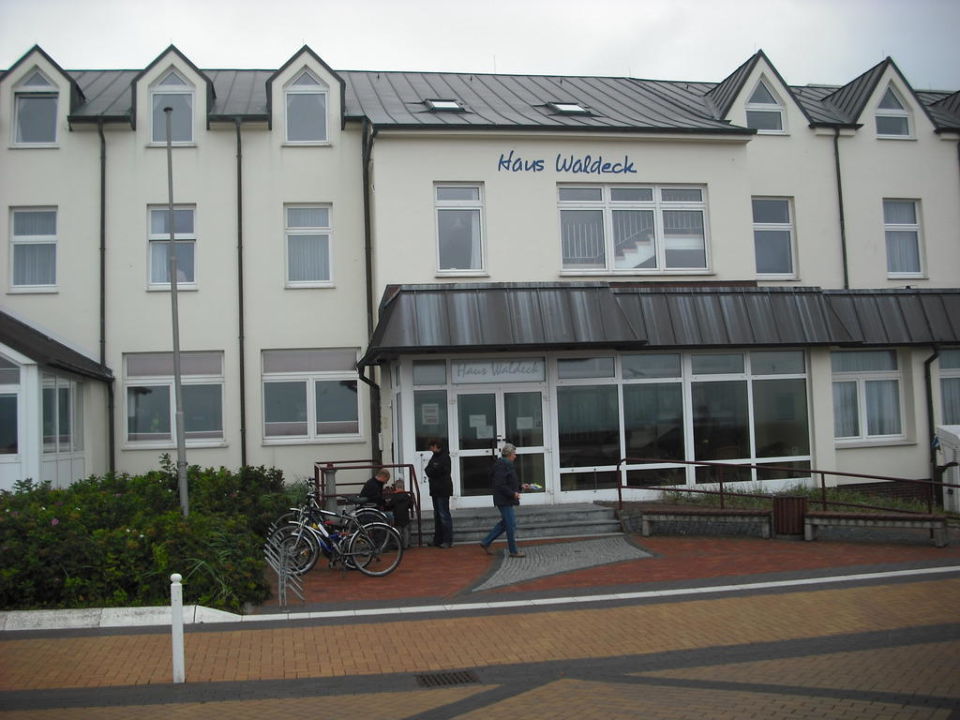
[{"x": 533, "y": 521}]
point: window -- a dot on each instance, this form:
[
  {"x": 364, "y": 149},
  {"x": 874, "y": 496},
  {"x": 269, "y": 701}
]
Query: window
[
  {"x": 764, "y": 111},
  {"x": 950, "y": 386},
  {"x": 308, "y": 246},
  {"x": 866, "y": 395},
  {"x": 632, "y": 229},
  {"x": 61, "y": 415},
  {"x": 306, "y": 102},
  {"x": 151, "y": 411},
  {"x": 35, "y": 110},
  {"x": 310, "y": 395},
  {"x": 568, "y": 108},
  {"x": 893, "y": 119},
  {"x": 172, "y": 91},
  {"x": 9, "y": 415},
  {"x": 459, "y": 228},
  {"x": 443, "y": 105},
  {"x": 773, "y": 236},
  {"x": 184, "y": 243},
  {"x": 34, "y": 247},
  {"x": 902, "y": 230}
]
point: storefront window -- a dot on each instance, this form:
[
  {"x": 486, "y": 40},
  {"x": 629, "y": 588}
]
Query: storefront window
[
  {"x": 653, "y": 420},
  {"x": 588, "y": 419},
  {"x": 430, "y": 417}
]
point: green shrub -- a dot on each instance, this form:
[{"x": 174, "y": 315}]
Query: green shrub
[{"x": 115, "y": 540}]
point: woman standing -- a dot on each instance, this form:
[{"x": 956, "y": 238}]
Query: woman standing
[{"x": 506, "y": 496}]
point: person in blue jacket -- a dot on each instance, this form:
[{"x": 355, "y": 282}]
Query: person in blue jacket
[{"x": 506, "y": 496}]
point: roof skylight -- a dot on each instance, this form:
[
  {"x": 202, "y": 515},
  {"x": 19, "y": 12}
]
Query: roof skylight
[
  {"x": 444, "y": 105},
  {"x": 568, "y": 108}
]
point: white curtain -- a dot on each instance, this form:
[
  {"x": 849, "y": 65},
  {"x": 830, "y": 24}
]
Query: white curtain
[
  {"x": 883, "y": 407},
  {"x": 308, "y": 258}
]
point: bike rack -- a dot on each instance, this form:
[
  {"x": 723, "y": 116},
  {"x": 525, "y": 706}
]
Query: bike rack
[{"x": 276, "y": 556}]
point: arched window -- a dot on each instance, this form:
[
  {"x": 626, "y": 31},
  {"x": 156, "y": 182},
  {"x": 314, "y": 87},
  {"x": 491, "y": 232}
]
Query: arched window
[
  {"x": 893, "y": 118},
  {"x": 764, "y": 110},
  {"x": 172, "y": 91},
  {"x": 305, "y": 98},
  {"x": 35, "y": 110}
]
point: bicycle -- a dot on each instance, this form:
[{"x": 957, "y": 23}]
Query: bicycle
[
  {"x": 365, "y": 511},
  {"x": 373, "y": 548}
]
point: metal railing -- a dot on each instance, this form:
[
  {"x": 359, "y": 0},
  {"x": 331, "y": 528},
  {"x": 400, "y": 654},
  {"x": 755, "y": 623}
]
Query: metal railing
[
  {"x": 325, "y": 484},
  {"x": 792, "y": 472}
]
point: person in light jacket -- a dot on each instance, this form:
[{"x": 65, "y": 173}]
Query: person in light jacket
[
  {"x": 506, "y": 496},
  {"x": 441, "y": 488}
]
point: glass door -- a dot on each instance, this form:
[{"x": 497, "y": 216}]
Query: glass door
[{"x": 484, "y": 422}]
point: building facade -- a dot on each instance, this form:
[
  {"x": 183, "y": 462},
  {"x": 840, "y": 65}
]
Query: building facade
[{"x": 594, "y": 269}]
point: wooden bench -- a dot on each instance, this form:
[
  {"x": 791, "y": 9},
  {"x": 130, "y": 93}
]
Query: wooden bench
[
  {"x": 650, "y": 517},
  {"x": 820, "y": 518}
]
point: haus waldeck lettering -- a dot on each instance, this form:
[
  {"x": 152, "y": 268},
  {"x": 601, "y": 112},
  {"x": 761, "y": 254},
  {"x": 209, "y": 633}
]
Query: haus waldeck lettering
[{"x": 574, "y": 164}]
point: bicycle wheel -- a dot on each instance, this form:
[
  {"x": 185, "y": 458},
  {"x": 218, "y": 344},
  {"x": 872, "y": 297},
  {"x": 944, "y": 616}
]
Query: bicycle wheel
[
  {"x": 300, "y": 551},
  {"x": 368, "y": 515},
  {"x": 376, "y": 549}
]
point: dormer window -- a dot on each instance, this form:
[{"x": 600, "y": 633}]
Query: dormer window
[
  {"x": 893, "y": 119},
  {"x": 35, "y": 112},
  {"x": 443, "y": 105},
  {"x": 764, "y": 110},
  {"x": 172, "y": 91},
  {"x": 306, "y": 109},
  {"x": 568, "y": 108}
]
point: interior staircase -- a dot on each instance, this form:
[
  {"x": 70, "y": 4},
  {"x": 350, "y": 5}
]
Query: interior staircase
[{"x": 533, "y": 521}]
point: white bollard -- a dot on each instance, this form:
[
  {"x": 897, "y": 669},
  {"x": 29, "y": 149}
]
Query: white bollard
[{"x": 176, "y": 625}]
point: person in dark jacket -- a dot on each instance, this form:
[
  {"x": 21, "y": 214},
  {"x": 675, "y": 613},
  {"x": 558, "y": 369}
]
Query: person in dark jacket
[
  {"x": 441, "y": 488},
  {"x": 506, "y": 496},
  {"x": 373, "y": 488}
]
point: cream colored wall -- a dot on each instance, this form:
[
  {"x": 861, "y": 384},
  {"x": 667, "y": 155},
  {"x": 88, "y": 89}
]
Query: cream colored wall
[
  {"x": 797, "y": 164},
  {"x": 925, "y": 168},
  {"x": 522, "y": 231}
]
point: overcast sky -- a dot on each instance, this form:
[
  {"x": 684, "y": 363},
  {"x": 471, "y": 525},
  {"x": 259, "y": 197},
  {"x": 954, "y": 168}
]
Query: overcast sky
[{"x": 809, "y": 41}]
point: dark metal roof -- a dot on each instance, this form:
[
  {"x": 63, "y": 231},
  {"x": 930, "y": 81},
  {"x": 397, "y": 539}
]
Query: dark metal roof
[
  {"x": 48, "y": 352},
  {"x": 460, "y": 318},
  {"x": 495, "y": 101}
]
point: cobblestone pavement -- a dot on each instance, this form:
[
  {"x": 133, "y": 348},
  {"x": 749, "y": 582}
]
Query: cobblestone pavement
[{"x": 883, "y": 647}]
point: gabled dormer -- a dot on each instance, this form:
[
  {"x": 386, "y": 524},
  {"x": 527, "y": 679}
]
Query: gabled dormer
[
  {"x": 38, "y": 96},
  {"x": 756, "y": 96},
  {"x": 305, "y": 100},
  {"x": 882, "y": 100},
  {"x": 171, "y": 81}
]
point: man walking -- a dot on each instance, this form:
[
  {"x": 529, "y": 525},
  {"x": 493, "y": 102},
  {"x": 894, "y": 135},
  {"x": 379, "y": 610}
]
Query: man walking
[
  {"x": 441, "y": 488},
  {"x": 506, "y": 496}
]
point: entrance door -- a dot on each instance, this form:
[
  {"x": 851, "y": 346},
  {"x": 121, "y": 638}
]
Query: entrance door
[{"x": 484, "y": 422}]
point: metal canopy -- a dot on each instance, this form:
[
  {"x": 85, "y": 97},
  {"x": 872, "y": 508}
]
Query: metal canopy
[
  {"x": 502, "y": 317},
  {"x": 48, "y": 352}
]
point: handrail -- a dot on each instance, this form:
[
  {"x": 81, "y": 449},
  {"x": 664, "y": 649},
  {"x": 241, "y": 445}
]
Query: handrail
[
  {"x": 322, "y": 466},
  {"x": 931, "y": 484}
]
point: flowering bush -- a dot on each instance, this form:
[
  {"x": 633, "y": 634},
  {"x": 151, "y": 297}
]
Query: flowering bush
[{"x": 115, "y": 540}]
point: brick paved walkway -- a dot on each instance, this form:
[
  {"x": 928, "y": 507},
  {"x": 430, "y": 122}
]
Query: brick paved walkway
[{"x": 869, "y": 649}]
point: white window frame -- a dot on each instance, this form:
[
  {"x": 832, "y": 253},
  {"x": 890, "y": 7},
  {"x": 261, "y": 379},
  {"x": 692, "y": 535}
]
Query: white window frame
[
  {"x": 468, "y": 205},
  {"x": 178, "y": 238},
  {"x": 74, "y": 390},
  {"x": 657, "y": 205},
  {"x": 949, "y": 370},
  {"x": 775, "y": 108},
  {"x": 301, "y": 230},
  {"x": 11, "y": 388},
  {"x": 29, "y": 90},
  {"x": 292, "y": 89},
  {"x": 902, "y": 112},
  {"x": 158, "y": 133},
  {"x": 914, "y": 228},
  {"x": 309, "y": 379},
  {"x": 787, "y": 227},
  {"x": 22, "y": 241},
  {"x": 188, "y": 379},
  {"x": 861, "y": 378}
]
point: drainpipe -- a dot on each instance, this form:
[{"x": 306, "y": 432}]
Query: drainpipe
[
  {"x": 843, "y": 227},
  {"x": 243, "y": 376},
  {"x": 366, "y": 152},
  {"x": 928, "y": 387},
  {"x": 111, "y": 400}
]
